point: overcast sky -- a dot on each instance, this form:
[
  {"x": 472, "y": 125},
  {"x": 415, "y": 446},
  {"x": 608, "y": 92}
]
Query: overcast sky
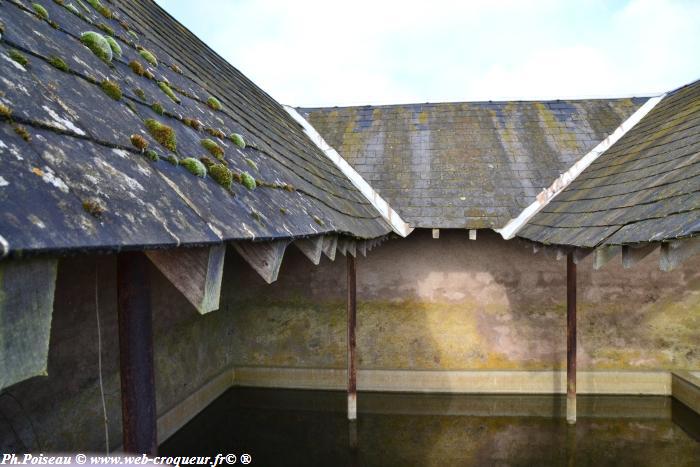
[{"x": 325, "y": 53}]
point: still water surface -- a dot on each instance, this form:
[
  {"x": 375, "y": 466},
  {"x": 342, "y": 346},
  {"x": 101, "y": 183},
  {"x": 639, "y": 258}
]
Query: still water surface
[{"x": 289, "y": 427}]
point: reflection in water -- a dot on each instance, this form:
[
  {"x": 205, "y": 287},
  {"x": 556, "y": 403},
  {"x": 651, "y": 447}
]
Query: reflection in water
[{"x": 287, "y": 427}]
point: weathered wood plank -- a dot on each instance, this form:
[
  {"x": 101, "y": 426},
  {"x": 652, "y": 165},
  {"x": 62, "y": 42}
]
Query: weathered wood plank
[
  {"x": 26, "y": 304},
  {"x": 195, "y": 272},
  {"x": 472, "y": 234},
  {"x": 631, "y": 255},
  {"x": 581, "y": 253},
  {"x": 673, "y": 253},
  {"x": 570, "y": 339},
  {"x": 264, "y": 257},
  {"x": 352, "y": 324},
  {"x": 436, "y": 233},
  {"x": 330, "y": 245},
  {"x": 312, "y": 248},
  {"x": 604, "y": 254}
]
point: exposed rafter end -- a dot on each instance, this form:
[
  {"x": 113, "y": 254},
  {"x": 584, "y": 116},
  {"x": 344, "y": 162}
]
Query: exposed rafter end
[
  {"x": 330, "y": 245},
  {"x": 362, "y": 247},
  {"x": 195, "y": 272},
  {"x": 604, "y": 254},
  {"x": 312, "y": 248},
  {"x": 631, "y": 255},
  {"x": 264, "y": 257},
  {"x": 673, "y": 253},
  {"x": 580, "y": 254},
  {"x": 436, "y": 233}
]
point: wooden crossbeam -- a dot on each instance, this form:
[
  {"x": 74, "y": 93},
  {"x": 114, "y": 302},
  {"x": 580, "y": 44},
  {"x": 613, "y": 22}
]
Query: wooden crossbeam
[
  {"x": 312, "y": 248},
  {"x": 330, "y": 245},
  {"x": 604, "y": 254},
  {"x": 631, "y": 255},
  {"x": 195, "y": 272},
  {"x": 264, "y": 257},
  {"x": 27, "y": 289},
  {"x": 673, "y": 253}
]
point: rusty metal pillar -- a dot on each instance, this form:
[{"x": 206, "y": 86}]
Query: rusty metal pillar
[
  {"x": 570, "y": 339},
  {"x": 352, "y": 323},
  {"x": 136, "y": 354}
]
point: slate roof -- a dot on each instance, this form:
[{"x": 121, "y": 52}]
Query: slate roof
[
  {"x": 646, "y": 187},
  {"x": 468, "y": 164},
  {"x": 78, "y": 153}
]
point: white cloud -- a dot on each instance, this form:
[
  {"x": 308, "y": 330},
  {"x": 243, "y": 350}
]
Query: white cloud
[{"x": 312, "y": 52}]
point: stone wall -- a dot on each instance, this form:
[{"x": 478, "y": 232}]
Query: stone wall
[{"x": 423, "y": 304}]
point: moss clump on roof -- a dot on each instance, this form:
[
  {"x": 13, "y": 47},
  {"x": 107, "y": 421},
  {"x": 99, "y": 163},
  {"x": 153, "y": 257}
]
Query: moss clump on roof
[
  {"x": 98, "y": 44},
  {"x": 83, "y": 6},
  {"x": 194, "y": 166},
  {"x": 147, "y": 73},
  {"x": 149, "y": 57},
  {"x": 139, "y": 142},
  {"x": 19, "y": 57},
  {"x": 248, "y": 181},
  {"x": 222, "y": 175},
  {"x": 2, "y": 29},
  {"x": 133, "y": 35},
  {"x": 106, "y": 29},
  {"x": 288, "y": 187},
  {"x": 172, "y": 159},
  {"x": 215, "y": 132},
  {"x": 40, "y": 11},
  {"x": 237, "y": 140},
  {"x": 283, "y": 210},
  {"x": 214, "y": 103},
  {"x": 137, "y": 67},
  {"x": 140, "y": 94},
  {"x": 157, "y": 108},
  {"x": 162, "y": 133},
  {"x": 97, "y": 5},
  {"x": 176, "y": 68},
  {"x": 318, "y": 220},
  {"x": 57, "y": 62},
  {"x": 72, "y": 8},
  {"x": 251, "y": 163},
  {"x": 152, "y": 155},
  {"x": 116, "y": 48},
  {"x": 168, "y": 92},
  {"x": 5, "y": 111},
  {"x": 213, "y": 148},
  {"x": 94, "y": 207},
  {"x": 256, "y": 215},
  {"x": 206, "y": 161},
  {"x": 23, "y": 133},
  {"x": 192, "y": 123},
  {"x": 112, "y": 89}
]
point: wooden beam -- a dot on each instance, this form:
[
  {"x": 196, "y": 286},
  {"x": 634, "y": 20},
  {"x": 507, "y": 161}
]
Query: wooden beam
[
  {"x": 136, "y": 354},
  {"x": 436, "y": 233},
  {"x": 264, "y": 257},
  {"x": 472, "y": 234},
  {"x": 195, "y": 272},
  {"x": 604, "y": 254},
  {"x": 673, "y": 253},
  {"x": 351, "y": 247},
  {"x": 27, "y": 289},
  {"x": 352, "y": 323},
  {"x": 312, "y": 248},
  {"x": 631, "y": 255},
  {"x": 570, "y": 339},
  {"x": 330, "y": 245},
  {"x": 342, "y": 246}
]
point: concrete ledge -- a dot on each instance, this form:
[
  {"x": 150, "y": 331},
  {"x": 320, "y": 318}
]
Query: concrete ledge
[
  {"x": 685, "y": 386},
  {"x": 178, "y": 416},
  {"x": 460, "y": 382}
]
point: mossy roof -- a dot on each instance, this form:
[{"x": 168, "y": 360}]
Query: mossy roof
[
  {"x": 645, "y": 188},
  {"x": 80, "y": 147},
  {"x": 467, "y": 164}
]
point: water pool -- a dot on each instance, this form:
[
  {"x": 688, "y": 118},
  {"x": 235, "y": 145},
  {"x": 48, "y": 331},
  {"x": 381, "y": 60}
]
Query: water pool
[{"x": 294, "y": 427}]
